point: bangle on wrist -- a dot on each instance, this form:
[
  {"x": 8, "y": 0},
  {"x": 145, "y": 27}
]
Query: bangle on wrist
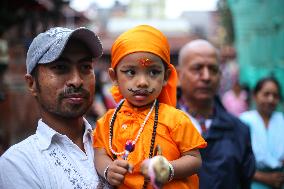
[
  {"x": 105, "y": 172},
  {"x": 172, "y": 172}
]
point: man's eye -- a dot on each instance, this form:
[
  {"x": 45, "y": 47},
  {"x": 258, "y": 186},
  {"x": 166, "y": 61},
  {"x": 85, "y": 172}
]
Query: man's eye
[
  {"x": 59, "y": 67},
  {"x": 214, "y": 69},
  {"x": 87, "y": 67},
  {"x": 195, "y": 68}
]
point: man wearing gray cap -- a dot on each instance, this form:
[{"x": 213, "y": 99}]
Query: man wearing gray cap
[{"x": 60, "y": 75}]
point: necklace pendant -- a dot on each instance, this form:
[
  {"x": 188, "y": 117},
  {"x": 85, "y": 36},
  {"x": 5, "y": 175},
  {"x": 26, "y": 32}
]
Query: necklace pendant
[{"x": 129, "y": 147}]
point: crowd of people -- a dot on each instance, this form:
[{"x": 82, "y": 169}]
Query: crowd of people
[{"x": 145, "y": 137}]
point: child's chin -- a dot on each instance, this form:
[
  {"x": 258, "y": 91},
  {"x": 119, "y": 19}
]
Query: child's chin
[{"x": 140, "y": 103}]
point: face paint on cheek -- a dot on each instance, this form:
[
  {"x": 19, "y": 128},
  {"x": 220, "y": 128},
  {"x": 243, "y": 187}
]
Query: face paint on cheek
[
  {"x": 124, "y": 80},
  {"x": 145, "y": 61}
]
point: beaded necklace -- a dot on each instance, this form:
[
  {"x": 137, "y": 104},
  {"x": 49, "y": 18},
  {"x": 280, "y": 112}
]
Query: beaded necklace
[{"x": 129, "y": 146}]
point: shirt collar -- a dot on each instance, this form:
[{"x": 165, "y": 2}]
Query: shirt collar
[
  {"x": 45, "y": 134},
  {"x": 182, "y": 105},
  {"x": 88, "y": 131}
]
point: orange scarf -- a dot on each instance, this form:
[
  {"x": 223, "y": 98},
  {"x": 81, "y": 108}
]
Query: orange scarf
[{"x": 145, "y": 38}]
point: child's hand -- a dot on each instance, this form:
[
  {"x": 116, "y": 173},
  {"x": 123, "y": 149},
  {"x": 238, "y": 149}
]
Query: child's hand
[
  {"x": 116, "y": 171},
  {"x": 157, "y": 169}
]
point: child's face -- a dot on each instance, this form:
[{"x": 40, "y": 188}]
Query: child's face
[{"x": 140, "y": 77}]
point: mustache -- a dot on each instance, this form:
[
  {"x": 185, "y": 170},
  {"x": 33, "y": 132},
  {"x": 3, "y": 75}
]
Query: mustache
[
  {"x": 67, "y": 91},
  {"x": 141, "y": 91}
]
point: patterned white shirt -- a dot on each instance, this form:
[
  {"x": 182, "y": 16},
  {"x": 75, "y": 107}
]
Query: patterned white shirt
[{"x": 49, "y": 160}]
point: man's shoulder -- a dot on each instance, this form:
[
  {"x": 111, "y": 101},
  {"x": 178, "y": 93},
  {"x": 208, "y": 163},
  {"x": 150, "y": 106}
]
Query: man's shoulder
[
  {"x": 20, "y": 162},
  {"x": 22, "y": 150},
  {"x": 234, "y": 122}
]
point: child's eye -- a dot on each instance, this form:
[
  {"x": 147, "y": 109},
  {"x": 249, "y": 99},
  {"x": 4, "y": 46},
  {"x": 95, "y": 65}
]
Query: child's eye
[
  {"x": 155, "y": 72},
  {"x": 129, "y": 72}
]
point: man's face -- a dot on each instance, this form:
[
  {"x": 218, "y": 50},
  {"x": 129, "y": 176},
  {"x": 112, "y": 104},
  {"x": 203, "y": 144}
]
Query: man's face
[
  {"x": 199, "y": 74},
  {"x": 140, "y": 77},
  {"x": 65, "y": 87}
]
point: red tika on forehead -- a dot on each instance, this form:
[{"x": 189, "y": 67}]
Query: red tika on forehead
[{"x": 145, "y": 61}]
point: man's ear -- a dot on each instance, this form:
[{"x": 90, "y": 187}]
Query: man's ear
[
  {"x": 112, "y": 75},
  {"x": 167, "y": 76},
  {"x": 31, "y": 83},
  {"x": 178, "y": 70},
  {"x": 179, "y": 74}
]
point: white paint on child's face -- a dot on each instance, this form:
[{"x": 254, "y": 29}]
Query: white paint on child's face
[{"x": 140, "y": 84}]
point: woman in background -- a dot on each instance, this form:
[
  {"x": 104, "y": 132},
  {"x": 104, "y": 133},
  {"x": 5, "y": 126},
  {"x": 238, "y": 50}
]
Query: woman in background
[{"x": 267, "y": 134}]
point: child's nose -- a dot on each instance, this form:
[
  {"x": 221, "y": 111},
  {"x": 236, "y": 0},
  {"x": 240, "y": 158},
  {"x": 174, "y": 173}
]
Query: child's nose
[{"x": 142, "y": 81}]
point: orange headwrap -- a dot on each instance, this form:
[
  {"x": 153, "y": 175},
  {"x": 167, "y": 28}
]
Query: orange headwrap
[{"x": 145, "y": 38}]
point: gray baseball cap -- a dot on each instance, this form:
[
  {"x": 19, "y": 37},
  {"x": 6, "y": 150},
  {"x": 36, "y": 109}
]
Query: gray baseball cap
[{"x": 48, "y": 46}]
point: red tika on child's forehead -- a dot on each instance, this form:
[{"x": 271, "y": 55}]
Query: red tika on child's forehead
[{"x": 145, "y": 61}]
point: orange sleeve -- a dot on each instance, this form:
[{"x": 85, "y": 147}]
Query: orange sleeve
[
  {"x": 186, "y": 135},
  {"x": 101, "y": 132}
]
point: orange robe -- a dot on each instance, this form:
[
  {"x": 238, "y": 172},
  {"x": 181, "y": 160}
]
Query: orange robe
[{"x": 175, "y": 135}]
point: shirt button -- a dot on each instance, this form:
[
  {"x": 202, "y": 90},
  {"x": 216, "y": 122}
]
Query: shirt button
[{"x": 124, "y": 126}]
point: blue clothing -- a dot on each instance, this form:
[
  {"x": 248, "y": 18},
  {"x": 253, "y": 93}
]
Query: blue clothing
[
  {"x": 227, "y": 161},
  {"x": 267, "y": 142}
]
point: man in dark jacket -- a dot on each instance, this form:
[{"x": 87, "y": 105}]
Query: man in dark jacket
[{"x": 228, "y": 160}]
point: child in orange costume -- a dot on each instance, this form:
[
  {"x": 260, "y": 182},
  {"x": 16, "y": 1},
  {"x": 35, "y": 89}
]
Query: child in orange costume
[{"x": 145, "y": 85}]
